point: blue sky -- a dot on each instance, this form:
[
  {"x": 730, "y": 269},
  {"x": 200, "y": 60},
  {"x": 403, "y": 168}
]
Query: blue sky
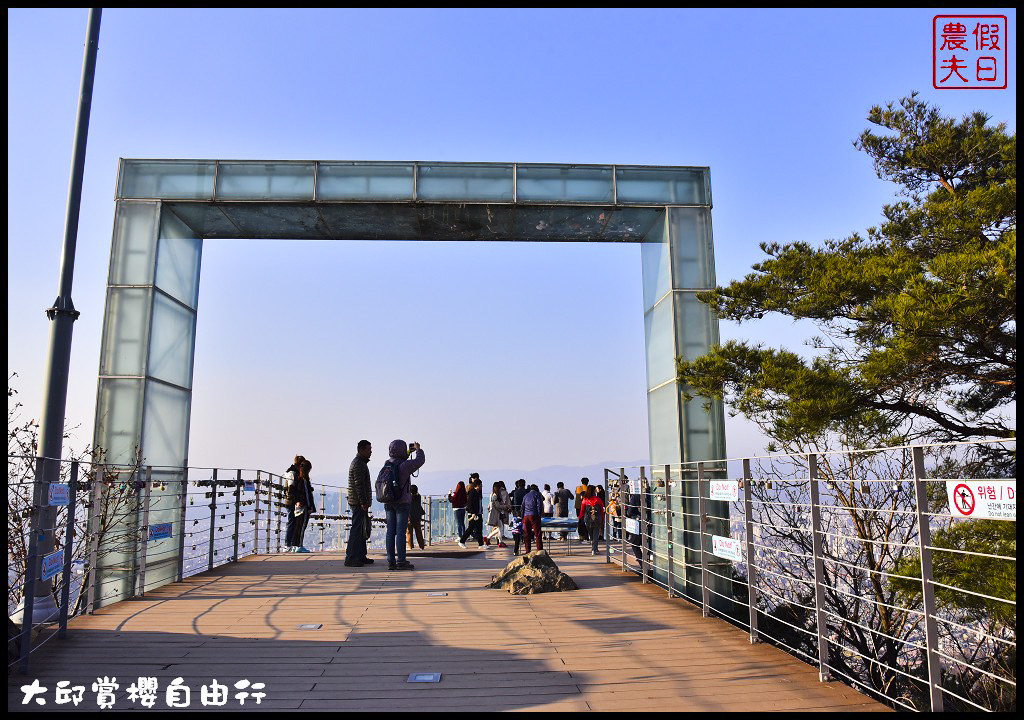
[{"x": 508, "y": 355}]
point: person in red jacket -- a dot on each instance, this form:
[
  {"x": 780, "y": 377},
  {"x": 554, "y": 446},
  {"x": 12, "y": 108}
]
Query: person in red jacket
[
  {"x": 457, "y": 497},
  {"x": 592, "y": 516}
]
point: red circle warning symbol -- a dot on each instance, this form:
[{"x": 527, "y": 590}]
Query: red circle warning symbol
[{"x": 963, "y": 499}]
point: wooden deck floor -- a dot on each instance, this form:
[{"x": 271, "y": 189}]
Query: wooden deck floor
[{"x": 613, "y": 645}]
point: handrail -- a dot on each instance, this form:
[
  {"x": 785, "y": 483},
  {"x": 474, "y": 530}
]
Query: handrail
[
  {"x": 774, "y": 558},
  {"x": 835, "y": 539}
]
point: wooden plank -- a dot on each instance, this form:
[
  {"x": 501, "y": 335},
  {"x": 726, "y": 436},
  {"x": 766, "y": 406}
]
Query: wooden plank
[{"x": 613, "y": 644}]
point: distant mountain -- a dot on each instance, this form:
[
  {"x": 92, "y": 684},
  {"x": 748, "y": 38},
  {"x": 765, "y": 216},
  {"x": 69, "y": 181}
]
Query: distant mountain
[{"x": 439, "y": 482}]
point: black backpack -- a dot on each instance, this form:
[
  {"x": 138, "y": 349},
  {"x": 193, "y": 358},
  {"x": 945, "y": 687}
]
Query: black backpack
[
  {"x": 592, "y": 518},
  {"x": 386, "y": 486}
]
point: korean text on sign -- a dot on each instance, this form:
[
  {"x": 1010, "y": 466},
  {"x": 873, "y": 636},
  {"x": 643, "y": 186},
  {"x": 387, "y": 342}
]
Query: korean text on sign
[
  {"x": 985, "y": 499},
  {"x": 969, "y": 51}
]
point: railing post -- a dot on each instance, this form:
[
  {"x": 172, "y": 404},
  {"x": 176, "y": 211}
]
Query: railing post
[
  {"x": 137, "y": 488},
  {"x": 819, "y": 568},
  {"x": 181, "y": 531},
  {"x": 748, "y": 531},
  {"x": 345, "y": 528},
  {"x": 32, "y": 567},
  {"x": 323, "y": 514},
  {"x": 430, "y": 523},
  {"x": 238, "y": 508},
  {"x": 924, "y": 539},
  {"x": 702, "y": 527},
  {"x": 96, "y": 496},
  {"x": 256, "y": 512},
  {"x": 69, "y": 540},
  {"x": 213, "y": 520},
  {"x": 269, "y": 511},
  {"x": 643, "y": 526},
  {"x": 668, "y": 533},
  {"x": 623, "y": 504},
  {"x": 280, "y": 502},
  {"x": 147, "y": 489}
]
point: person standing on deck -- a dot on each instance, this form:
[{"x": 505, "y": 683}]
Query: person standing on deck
[
  {"x": 497, "y": 515},
  {"x": 517, "y": 497},
  {"x": 303, "y": 504},
  {"x": 549, "y": 505},
  {"x": 291, "y": 485},
  {"x": 533, "y": 508},
  {"x": 415, "y": 518},
  {"x": 581, "y": 491},
  {"x": 474, "y": 517},
  {"x": 592, "y": 516},
  {"x": 562, "y": 498},
  {"x": 360, "y": 495},
  {"x": 457, "y": 498},
  {"x": 403, "y": 461}
]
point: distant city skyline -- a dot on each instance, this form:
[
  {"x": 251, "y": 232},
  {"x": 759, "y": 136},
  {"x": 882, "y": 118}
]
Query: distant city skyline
[{"x": 511, "y": 355}]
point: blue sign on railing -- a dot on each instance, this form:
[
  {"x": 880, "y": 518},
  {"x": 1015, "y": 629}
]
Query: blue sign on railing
[
  {"x": 160, "y": 532},
  {"x": 52, "y": 564},
  {"x": 58, "y": 495},
  {"x": 249, "y": 486}
]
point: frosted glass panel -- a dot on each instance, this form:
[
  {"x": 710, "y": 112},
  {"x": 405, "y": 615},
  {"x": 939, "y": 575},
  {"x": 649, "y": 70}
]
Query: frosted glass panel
[
  {"x": 465, "y": 182},
  {"x": 696, "y": 327},
  {"x": 125, "y": 331},
  {"x": 663, "y": 424},
  {"x": 167, "y": 179},
  {"x": 178, "y": 258},
  {"x": 682, "y": 186},
  {"x": 131, "y": 255},
  {"x": 700, "y": 438},
  {"x": 173, "y": 337},
  {"x": 364, "y": 181},
  {"x": 658, "y": 332},
  {"x": 165, "y": 427},
  {"x": 546, "y": 183},
  {"x": 265, "y": 181},
  {"x": 118, "y": 413},
  {"x": 654, "y": 259},
  {"x": 690, "y": 253}
]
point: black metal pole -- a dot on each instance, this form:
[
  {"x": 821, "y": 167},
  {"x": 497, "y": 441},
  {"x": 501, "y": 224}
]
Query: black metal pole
[{"x": 62, "y": 317}]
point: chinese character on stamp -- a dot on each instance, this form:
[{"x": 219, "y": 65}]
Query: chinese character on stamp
[{"x": 969, "y": 52}]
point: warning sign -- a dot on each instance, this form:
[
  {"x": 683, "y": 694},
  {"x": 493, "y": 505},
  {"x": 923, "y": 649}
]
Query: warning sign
[
  {"x": 58, "y": 494},
  {"x": 52, "y": 564},
  {"x": 724, "y": 490},
  {"x": 985, "y": 499},
  {"x": 726, "y": 548}
]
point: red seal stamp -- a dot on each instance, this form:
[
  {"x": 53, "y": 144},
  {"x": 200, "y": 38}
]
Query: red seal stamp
[{"x": 969, "y": 52}]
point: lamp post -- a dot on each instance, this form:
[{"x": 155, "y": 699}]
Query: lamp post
[{"x": 62, "y": 317}]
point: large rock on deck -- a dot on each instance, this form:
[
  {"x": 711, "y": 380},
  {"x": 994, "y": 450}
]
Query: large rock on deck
[{"x": 533, "y": 573}]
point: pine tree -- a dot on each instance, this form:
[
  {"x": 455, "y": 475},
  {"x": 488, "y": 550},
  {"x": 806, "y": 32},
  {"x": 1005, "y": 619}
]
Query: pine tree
[{"x": 918, "y": 317}]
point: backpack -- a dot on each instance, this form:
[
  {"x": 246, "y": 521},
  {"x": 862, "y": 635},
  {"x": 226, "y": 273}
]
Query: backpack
[
  {"x": 386, "y": 486},
  {"x": 592, "y": 518}
]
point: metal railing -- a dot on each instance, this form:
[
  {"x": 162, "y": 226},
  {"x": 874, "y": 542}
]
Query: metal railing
[
  {"x": 850, "y": 561},
  {"x": 122, "y": 531}
]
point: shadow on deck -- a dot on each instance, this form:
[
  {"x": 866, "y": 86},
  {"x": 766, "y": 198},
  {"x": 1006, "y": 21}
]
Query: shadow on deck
[{"x": 612, "y": 645}]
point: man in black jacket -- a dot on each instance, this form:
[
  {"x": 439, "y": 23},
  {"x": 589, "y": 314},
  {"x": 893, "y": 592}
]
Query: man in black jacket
[
  {"x": 517, "y": 497},
  {"x": 473, "y": 512},
  {"x": 359, "y": 499}
]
